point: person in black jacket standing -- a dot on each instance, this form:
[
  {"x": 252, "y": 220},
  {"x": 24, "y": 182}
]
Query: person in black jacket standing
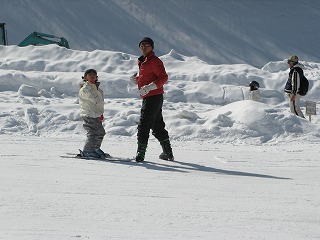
[{"x": 292, "y": 88}]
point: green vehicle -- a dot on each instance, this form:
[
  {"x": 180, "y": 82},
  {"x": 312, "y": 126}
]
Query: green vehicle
[{"x": 35, "y": 38}]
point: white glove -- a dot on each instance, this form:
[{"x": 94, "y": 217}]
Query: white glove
[
  {"x": 147, "y": 88},
  {"x": 133, "y": 79},
  {"x": 87, "y": 86}
]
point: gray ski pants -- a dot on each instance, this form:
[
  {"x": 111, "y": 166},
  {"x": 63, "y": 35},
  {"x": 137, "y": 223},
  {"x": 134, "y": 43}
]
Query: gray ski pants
[{"x": 95, "y": 133}]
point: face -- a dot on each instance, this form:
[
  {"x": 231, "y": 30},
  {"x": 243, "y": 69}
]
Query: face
[
  {"x": 145, "y": 48},
  {"x": 291, "y": 64},
  {"x": 91, "y": 77}
]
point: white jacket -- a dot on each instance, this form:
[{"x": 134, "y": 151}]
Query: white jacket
[
  {"x": 91, "y": 100},
  {"x": 255, "y": 95}
]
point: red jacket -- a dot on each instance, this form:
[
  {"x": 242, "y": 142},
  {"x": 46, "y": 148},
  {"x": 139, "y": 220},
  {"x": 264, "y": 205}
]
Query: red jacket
[{"x": 152, "y": 70}]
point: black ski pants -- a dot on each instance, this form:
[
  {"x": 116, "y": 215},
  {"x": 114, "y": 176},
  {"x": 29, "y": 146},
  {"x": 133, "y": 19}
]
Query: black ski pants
[{"x": 151, "y": 118}]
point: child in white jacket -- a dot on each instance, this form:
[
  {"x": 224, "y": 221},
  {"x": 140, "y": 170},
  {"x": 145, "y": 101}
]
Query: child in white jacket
[
  {"x": 91, "y": 102},
  {"x": 254, "y": 93}
]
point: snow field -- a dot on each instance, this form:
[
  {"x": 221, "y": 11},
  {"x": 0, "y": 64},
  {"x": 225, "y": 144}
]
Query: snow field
[{"x": 211, "y": 191}]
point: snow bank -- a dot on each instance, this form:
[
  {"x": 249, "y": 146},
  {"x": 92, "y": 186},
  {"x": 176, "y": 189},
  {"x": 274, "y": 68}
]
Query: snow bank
[{"x": 39, "y": 86}]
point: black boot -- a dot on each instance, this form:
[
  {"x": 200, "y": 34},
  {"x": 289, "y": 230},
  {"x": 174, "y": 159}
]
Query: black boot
[
  {"x": 141, "y": 152},
  {"x": 167, "y": 150}
]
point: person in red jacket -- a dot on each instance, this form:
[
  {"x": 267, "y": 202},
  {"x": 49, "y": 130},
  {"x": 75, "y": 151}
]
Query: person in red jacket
[{"x": 152, "y": 76}]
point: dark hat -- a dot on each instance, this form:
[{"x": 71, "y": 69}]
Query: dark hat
[
  {"x": 148, "y": 40},
  {"x": 254, "y": 85},
  {"x": 91, "y": 70}
]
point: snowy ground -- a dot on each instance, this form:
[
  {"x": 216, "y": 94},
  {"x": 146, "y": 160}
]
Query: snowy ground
[
  {"x": 243, "y": 169},
  {"x": 212, "y": 191}
]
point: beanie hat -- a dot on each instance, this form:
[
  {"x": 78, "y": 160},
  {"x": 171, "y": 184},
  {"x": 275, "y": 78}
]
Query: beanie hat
[
  {"x": 293, "y": 59},
  {"x": 254, "y": 85},
  {"x": 148, "y": 40}
]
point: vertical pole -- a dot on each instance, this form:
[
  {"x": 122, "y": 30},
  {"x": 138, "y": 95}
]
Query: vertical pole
[
  {"x": 310, "y": 118},
  {"x": 3, "y": 34}
]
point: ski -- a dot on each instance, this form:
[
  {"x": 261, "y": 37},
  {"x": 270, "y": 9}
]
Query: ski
[{"x": 109, "y": 158}]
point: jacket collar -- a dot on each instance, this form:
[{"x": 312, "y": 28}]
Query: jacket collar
[
  {"x": 297, "y": 65},
  {"x": 146, "y": 58}
]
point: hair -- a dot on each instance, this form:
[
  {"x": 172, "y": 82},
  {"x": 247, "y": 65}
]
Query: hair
[{"x": 91, "y": 70}]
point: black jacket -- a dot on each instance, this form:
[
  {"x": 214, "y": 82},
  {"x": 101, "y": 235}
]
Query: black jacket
[{"x": 294, "y": 80}]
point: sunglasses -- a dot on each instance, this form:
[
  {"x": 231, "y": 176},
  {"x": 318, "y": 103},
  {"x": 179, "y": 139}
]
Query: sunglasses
[{"x": 145, "y": 45}]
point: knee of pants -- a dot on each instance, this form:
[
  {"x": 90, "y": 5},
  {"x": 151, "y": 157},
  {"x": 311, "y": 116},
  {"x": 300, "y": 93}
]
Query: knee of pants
[{"x": 161, "y": 135}]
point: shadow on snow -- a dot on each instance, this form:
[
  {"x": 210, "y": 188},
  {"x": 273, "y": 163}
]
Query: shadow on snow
[{"x": 182, "y": 167}]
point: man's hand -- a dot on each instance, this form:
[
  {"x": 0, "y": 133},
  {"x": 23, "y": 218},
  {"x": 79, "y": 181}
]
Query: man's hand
[
  {"x": 133, "y": 79},
  {"x": 147, "y": 88}
]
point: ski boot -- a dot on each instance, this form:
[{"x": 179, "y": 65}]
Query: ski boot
[
  {"x": 141, "y": 152},
  {"x": 167, "y": 151},
  {"x": 102, "y": 154},
  {"x": 88, "y": 154}
]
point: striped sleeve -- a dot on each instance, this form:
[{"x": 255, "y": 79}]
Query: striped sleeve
[{"x": 295, "y": 82}]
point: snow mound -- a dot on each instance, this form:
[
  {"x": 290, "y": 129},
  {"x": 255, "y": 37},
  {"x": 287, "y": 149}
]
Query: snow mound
[
  {"x": 274, "y": 67},
  {"x": 243, "y": 122},
  {"x": 26, "y": 90}
]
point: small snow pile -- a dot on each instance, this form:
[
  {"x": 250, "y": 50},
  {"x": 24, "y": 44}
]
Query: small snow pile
[
  {"x": 31, "y": 118},
  {"x": 188, "y": 115},
  {"x": 26, "y": 90},
  {"x": 45, "y": 93}
]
